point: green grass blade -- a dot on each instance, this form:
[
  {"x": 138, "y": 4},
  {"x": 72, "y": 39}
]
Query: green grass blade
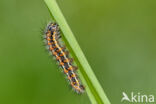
[{"x": 93, "y": 88}]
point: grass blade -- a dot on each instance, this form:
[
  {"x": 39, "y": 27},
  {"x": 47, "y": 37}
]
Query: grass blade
[{"x": 92, "y": 86}]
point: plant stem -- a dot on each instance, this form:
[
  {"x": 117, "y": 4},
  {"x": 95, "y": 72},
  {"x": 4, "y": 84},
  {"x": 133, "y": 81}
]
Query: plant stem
[{"x": 93, "y": 88}]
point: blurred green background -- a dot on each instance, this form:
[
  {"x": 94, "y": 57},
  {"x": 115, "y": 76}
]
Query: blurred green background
[{"x": 118, "y": 38}]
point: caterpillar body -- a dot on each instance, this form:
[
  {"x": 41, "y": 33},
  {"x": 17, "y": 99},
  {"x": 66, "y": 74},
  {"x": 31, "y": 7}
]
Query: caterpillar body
[{"x": 52, "y": 36}]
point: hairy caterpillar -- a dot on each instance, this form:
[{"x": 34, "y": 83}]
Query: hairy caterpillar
[{"x": 52, "y": 36}]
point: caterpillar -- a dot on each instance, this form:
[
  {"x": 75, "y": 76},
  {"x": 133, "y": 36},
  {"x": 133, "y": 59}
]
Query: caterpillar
[{"x": 52, "y": 36}]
